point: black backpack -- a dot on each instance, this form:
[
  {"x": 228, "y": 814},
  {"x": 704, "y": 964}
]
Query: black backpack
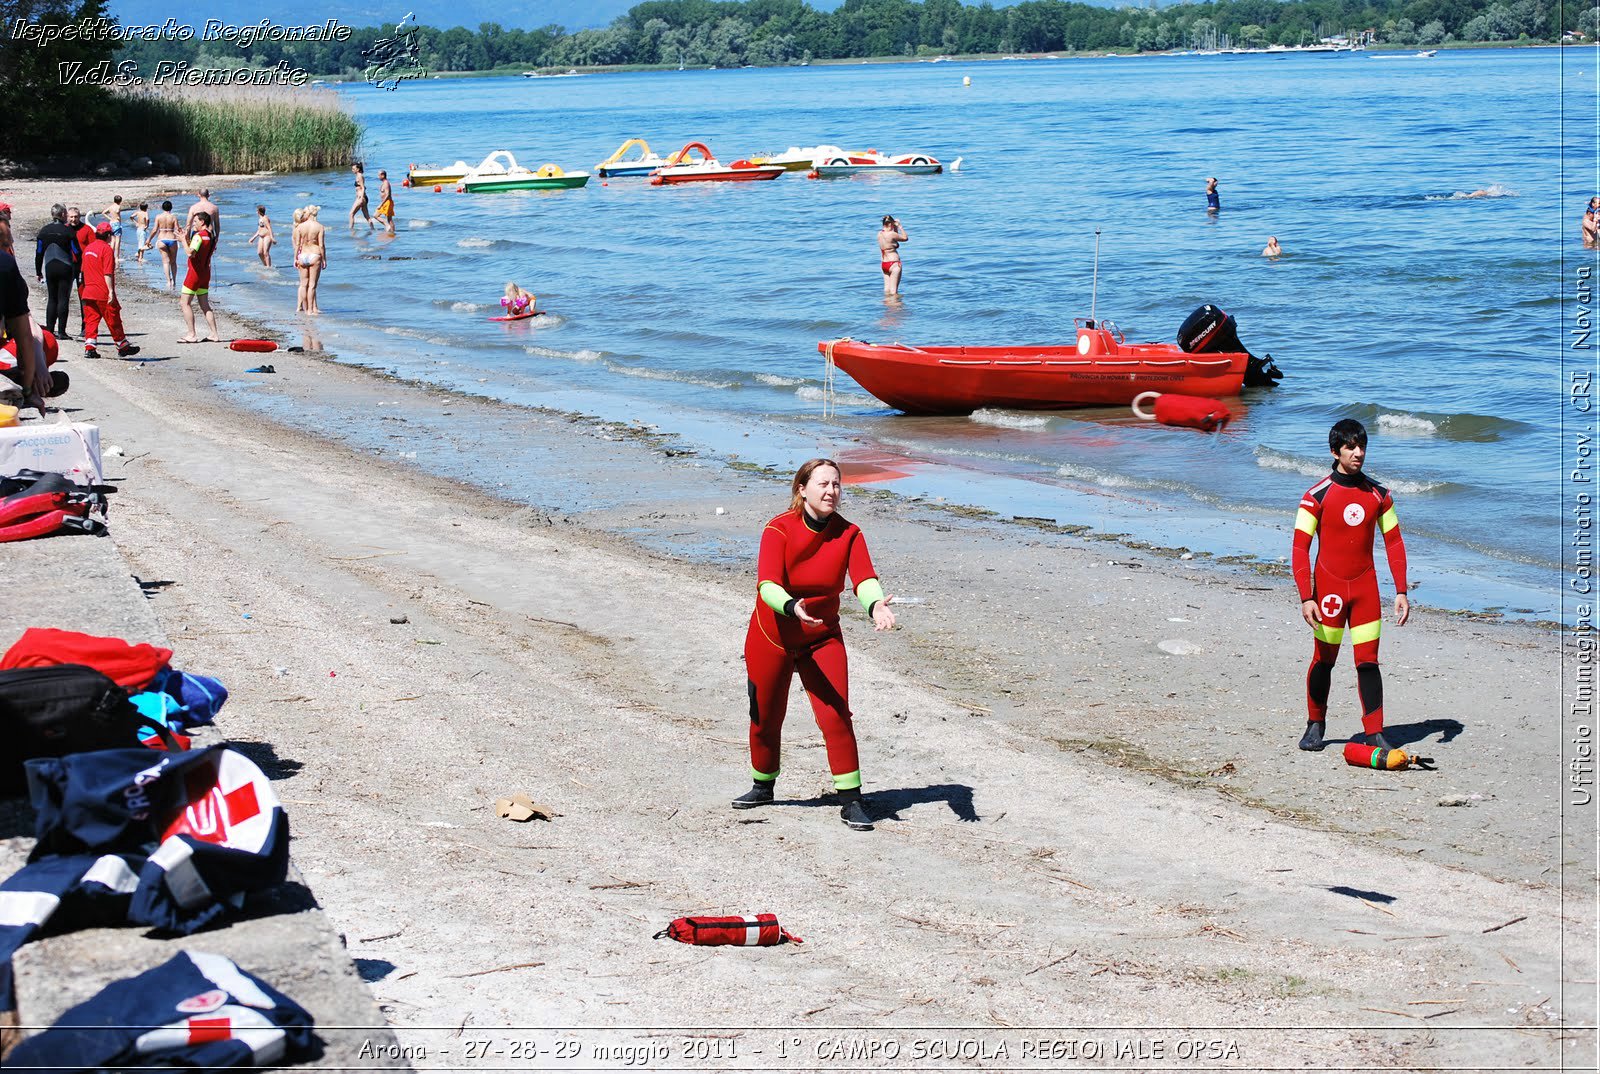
[{"x": 61, "y": 709}]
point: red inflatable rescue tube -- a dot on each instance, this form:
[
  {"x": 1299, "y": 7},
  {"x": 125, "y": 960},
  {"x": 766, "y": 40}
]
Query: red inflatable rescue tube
[
  {"x": 252, "y": 345},
  {"x": 1361, "y": 755},
  {"x": 518, "y": 316},
  {"x": 750, "y": 930},
  {"x": 1184, "y": 411},
  {"x": 52, "y": 350}
]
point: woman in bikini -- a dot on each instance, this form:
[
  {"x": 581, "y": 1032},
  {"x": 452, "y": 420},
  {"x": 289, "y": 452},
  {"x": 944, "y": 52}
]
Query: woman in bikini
[
  {"x": 263, "y": 237},
  {"x": 890, "y": 236},
  {"x": 311, "y": 257},
  {"x": 164, "y": 233}
]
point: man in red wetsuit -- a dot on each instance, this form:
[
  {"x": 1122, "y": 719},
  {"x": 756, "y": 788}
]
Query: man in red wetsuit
[
  {"x": 801, "y": 567},
  {"x": 98, "y": 293},
  {"x": 1342, "y": 511}
]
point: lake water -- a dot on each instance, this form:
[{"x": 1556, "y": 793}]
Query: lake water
[{"x": 1431, "y": 316}]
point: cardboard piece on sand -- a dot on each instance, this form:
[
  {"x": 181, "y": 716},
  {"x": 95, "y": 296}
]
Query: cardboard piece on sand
[{"x": 520, "y": 807}]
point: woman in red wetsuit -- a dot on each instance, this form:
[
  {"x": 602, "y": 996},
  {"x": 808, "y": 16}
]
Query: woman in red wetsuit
[{"x": 805, "y": 553}]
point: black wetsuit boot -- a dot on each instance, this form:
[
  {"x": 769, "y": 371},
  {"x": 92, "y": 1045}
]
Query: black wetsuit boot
[
  {"x": 1312, "y": 739},
  {"x": 759, "y": 794},
  {"x": 853, "y": 812}
]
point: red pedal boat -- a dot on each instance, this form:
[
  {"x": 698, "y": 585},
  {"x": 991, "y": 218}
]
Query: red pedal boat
[
  {"x": 1103, "y": 369},
  {"x": 684, "y": 167}
]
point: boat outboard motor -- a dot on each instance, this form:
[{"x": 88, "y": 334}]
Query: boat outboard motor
[{"x": 1209, "y": 330}]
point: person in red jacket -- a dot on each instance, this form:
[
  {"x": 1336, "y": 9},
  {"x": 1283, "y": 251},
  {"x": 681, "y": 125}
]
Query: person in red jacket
[
  {"x": 805, "y": 553},
  {"x": 197, "y": 281},
  {"x": 98, "y": 293},
  {"x": 1344, "y": 511}
]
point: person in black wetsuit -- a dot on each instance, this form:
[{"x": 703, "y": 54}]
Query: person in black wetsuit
[
  {"x": 31, "y": 368},
  {"x": 57, "y": 260}
]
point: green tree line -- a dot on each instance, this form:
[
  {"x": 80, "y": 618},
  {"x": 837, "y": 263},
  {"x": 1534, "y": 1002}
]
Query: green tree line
[{"x": 726, "y": 33}]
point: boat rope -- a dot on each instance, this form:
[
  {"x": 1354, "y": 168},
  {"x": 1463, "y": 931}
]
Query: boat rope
[{"x": 828, "y": 388}]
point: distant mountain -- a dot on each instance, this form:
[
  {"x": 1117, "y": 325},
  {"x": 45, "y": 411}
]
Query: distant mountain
[{"x": 572, "y": 14}]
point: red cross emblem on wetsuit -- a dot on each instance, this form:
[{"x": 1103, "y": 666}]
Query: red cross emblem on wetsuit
[{"x": 1331, "y": 605}]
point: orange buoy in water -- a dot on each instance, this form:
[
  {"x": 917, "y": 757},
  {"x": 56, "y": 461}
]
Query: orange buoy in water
[
  {"x": 1185, "y": 411},
  {"x": 437, "y": 188}
]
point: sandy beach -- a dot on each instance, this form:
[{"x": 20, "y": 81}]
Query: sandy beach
[{"x": 422, "y": 602}]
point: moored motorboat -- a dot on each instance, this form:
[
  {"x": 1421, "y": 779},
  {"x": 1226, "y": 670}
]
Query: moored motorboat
[
  {"x": 620, "y": 164},
  {"x": 871, "y": 161},
  {"x": 797, "y": 159},
  {"x": 687, "y": 168},
  {"x": 416, "y": 176},
  {"x": 1100, "y": 369},
  {"x": 500, "y": 171}
]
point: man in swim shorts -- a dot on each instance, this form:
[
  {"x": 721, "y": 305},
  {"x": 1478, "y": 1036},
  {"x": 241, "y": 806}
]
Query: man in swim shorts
[
  {"x": 385, "y": 202},
  {"x": 1343, "y": 511},
  {"x": 141, "y": 228},
  {"x": 113, "y": 215},
  {"x": 205, "y": 205},
  {"x": 197, "y": 281}
]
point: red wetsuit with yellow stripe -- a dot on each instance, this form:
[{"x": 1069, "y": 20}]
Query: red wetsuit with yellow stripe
[
  {"x": 807, "y": 558},
  {"x": 1343, "y": 511}
]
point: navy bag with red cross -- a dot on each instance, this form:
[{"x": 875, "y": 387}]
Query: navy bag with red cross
[
  {"x": 195, "y": 1010},
  {"x": 134, "y": 837}
]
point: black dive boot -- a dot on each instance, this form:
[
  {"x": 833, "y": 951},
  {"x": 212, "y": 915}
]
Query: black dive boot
[
  {"x": 1311, "y": 741},
  {"x": 759, "y": 794},
  {"x": 853, "y": 812},
  {"x": 1377, "y": 739}
]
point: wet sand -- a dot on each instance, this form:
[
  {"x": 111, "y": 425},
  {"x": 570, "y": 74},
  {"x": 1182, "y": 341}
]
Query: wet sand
[{"x": 1079, "y": 828}]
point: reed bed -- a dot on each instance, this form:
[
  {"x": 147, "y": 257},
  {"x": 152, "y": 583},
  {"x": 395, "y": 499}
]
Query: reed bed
[{"x": 221, "y": 129}]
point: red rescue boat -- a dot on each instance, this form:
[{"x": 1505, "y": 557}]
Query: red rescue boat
[{"x": 1102, "y": 369}]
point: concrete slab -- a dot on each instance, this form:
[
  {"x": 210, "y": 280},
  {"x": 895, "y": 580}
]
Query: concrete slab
[{"x": 83, "y": 583}]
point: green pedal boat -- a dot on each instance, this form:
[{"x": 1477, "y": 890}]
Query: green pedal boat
[{"x": 500, "y": 171}]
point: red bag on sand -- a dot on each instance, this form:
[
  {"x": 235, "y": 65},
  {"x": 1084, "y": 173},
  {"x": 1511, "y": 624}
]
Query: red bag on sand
[
  {"x": 129, "y": 666},
  {"x": 751, "y": 930}
]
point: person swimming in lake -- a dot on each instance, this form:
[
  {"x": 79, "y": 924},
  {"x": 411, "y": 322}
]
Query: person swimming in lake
[
  {"x": 1272, "y": 248},
  {"x": 1590, "y": 224},
  {"x": 1213, "y": 199},
  {"x": 890, "y": 236},
  {"x": 517, "y": 302}
]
